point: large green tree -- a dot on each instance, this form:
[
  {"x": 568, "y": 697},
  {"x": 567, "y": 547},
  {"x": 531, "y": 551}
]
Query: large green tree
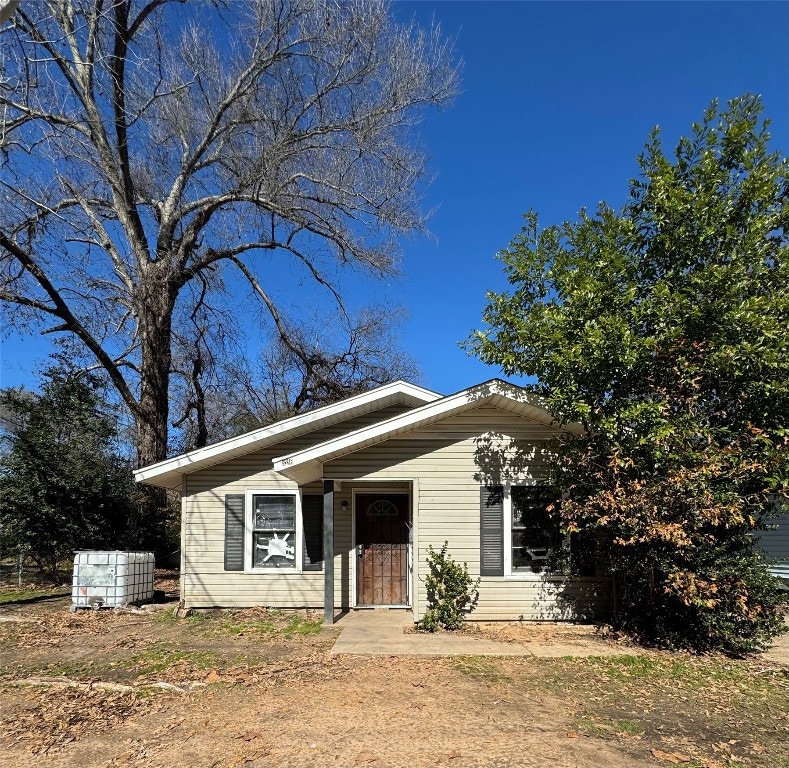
[
  {"x": 63, "y": 483},
  {"x": 664, "y": 330}
]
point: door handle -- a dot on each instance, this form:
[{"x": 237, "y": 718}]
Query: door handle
[{"x": 359, "y": 550}]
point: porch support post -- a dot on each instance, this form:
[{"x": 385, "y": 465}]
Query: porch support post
[{"x": 328, "y": 552}]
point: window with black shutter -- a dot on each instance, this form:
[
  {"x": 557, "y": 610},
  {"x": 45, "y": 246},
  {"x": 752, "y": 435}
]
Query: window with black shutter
[
  {"x": 520, "y": 535},
  {"x": 261, "y": 531}
]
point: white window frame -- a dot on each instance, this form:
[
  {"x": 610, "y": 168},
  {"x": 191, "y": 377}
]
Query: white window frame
[
  {"x": 249, "y": 538},
  {"x": 509, "y": 573}
]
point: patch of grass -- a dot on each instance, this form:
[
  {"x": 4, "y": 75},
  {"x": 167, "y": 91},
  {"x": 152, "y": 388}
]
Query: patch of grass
[
  {"x": 482, "y": 667},
  {"x": 268, "y": 624},
  {"x": 238, "y": 628},
  {"x": 641, "y": 668},
  {"x": 16, "y": 595},
  {"x": 695, "y": 676},
  {"x": 73, "y": 669},
  {"x": 162, "y": 656},
  {"x": 167, "y": 617},
  {"x": 300, "y": 625},
  {"x": 250, "y": 660},
  {"x": 655, "y": 694},
  {"x": 629, "y": 727},
  {"x": 592, "y": 727},
  {"x": 9, "y": 637}
]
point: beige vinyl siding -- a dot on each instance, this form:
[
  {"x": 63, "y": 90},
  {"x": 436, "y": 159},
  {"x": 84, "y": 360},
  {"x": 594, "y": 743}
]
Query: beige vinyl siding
[
  {"x": 205, "y": 583},
  {"x": 452, "y": 459}
]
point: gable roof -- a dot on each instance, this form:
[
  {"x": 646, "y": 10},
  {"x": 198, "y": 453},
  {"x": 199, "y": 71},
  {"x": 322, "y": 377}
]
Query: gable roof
[
  {"x": 306, "y": 465},
  {"x": 168, "y": 473}
]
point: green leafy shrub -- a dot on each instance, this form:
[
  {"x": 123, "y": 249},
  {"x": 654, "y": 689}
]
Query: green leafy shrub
[
  {"x": 451, "y": 592},
  {"x": 729, "y": 602}
]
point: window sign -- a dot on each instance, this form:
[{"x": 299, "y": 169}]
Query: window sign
[{"x": 274, "y": 531}]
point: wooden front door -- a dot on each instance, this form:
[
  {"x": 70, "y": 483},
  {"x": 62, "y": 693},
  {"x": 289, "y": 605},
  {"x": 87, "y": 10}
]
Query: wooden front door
[{"x": 382, "y": 549}]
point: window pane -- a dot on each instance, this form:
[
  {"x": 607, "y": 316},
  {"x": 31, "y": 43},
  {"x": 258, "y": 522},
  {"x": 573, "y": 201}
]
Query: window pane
[
  {"x": 526, "y": 552},
  {"x": 276, "y": 513},
  {"x": 535, "y": 532},
  {"x": 274, "y": 531},
  {"x": 529, "y": 506},
  {"x": 273, "y": 550}
]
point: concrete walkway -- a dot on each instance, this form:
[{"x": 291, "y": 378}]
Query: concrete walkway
[{"x": 380, "y": 632}]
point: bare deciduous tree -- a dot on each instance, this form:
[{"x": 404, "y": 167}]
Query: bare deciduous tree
[
  {"x": 146, "y": 142},
  {"x": 361, "y": 357},
  {"x": 325, "y": 359}
]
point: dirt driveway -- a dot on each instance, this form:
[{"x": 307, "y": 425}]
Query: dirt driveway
[{"x": 261, "y": 689}]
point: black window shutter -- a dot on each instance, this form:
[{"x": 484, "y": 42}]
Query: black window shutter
[
  {"x": 312, "y": 517},
  {"x": 491, "y": 531},
  {"x": 234, "y": 532}
]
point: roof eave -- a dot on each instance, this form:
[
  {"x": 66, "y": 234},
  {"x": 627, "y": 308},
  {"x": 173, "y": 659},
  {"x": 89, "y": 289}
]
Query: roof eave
[
  {"x": 412, "y": 420},
  {"x": 161, "y": 473}
]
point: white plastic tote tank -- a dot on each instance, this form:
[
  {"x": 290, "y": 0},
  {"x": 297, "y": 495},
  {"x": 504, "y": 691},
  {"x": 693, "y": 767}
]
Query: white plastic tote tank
[{"x": 111, "y": 579}]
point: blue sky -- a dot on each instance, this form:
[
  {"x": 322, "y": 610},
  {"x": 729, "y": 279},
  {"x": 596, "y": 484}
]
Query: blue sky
[{"x": 557, "y": 101}]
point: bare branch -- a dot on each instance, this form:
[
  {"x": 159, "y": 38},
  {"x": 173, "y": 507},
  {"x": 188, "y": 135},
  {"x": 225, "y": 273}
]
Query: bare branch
[
  {"x": 136, "y": 162},
  {"x": 60, "y": 309}
]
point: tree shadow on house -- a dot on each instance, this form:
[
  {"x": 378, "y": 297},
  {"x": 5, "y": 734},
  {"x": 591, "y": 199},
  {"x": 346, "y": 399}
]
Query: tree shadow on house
[{"x": 575, "y": 588}]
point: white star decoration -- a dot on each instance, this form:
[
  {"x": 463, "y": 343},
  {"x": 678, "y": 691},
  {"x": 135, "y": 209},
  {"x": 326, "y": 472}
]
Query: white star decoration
[{"x": 276, "y": 547}]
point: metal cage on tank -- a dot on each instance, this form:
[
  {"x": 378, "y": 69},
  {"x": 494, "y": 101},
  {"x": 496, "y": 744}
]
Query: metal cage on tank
[{"x": 111, "y": 579}]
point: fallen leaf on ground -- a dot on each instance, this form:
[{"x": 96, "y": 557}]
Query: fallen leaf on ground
[
  {"x": 250, "y": 735},
  {"x": 671, "y": 757}
]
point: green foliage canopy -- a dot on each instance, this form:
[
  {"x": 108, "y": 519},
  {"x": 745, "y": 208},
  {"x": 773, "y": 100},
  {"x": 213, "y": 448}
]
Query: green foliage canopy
[
  {"x": 664, "y": 330},
  {"x": 63, "y": 485}
]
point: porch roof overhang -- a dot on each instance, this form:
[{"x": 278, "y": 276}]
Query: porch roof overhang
[
  {"x": 168, "y": 473},
  {"x": 306, "y": 466}
]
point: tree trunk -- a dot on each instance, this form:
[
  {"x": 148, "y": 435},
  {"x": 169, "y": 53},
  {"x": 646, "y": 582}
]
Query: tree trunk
[
  {"x": 155, "y": 319},
  {"x": 155, "y": 313}
]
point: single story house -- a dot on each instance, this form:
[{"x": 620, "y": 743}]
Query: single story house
[{"x": 335, "y": 508}]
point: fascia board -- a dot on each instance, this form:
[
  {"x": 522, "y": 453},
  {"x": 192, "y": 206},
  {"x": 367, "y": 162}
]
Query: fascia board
[
  {"x": 273, "y": 433},
  {"x": 447, "y": 406},
  {"x": 303, "y": 474}
]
